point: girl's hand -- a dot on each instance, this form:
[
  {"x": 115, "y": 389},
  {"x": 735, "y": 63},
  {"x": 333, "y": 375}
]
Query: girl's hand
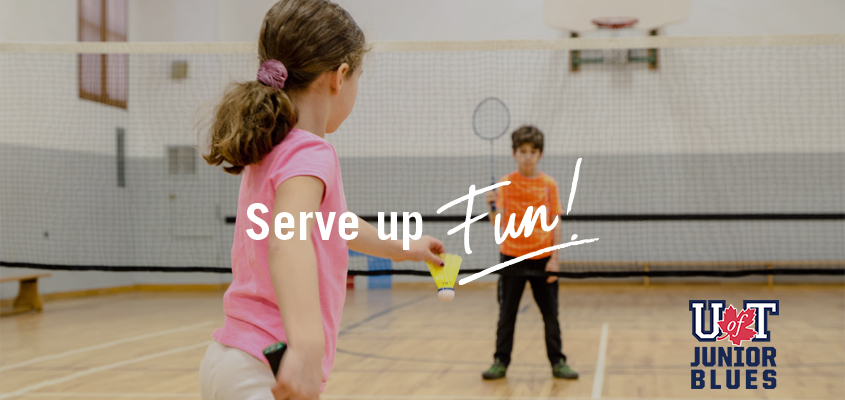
[
  {"x": 300, "y": 376},
  {"x": 426, "y": 248},
  {"x": 552, "y": 266}
]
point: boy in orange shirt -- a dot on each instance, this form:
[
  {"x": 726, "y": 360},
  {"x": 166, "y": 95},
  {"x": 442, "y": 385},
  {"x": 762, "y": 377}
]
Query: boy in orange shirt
[{"x": 528, "y": 187}]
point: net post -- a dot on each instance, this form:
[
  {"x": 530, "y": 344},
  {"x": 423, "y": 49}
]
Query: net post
[
  {"x": 770, "y": 277},
  {"x": 645, "y": 277},
  {"x": 652, "y": 53},
  {"x": 574, "y": 56}
]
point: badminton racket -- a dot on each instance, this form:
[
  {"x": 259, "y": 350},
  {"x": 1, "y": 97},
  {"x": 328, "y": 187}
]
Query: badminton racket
[{"x": 490, "y": 120}]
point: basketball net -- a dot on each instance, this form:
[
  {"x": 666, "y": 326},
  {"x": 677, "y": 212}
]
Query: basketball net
[{"x": 616, "y": 27}]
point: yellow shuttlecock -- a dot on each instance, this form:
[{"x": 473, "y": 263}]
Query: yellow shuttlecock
[{"x": 445, "y": 276}]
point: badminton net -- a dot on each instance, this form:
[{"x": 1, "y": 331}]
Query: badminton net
[{"x": 726, "y": 160}]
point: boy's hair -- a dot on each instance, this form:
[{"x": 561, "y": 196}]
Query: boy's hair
[
  {"x": 527, "y": 134},
  {"x": 309, "y": 37}
]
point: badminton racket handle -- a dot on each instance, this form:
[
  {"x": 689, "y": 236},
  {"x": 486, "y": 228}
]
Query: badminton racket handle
[
  {"x": 493, "y": 203},
  {"x": 273, "y": 354}
]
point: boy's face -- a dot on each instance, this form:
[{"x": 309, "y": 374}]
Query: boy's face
[{"x": 527, "y": 157}]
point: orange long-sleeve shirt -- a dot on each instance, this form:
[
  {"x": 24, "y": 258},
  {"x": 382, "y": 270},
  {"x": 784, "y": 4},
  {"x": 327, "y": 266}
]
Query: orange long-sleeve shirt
[{"x": 515, "y": 199}]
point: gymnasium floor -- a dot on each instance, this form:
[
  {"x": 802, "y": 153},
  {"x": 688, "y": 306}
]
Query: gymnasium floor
[{"x": 405, "y": 344}]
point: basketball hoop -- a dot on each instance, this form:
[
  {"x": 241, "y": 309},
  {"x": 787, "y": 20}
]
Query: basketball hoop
[
  {"x": 610, "y": 19},
  {"x": 615, "y": 22},
  {"x": 615, "y": 27}
]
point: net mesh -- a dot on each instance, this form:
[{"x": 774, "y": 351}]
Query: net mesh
[{"x": 726, "y": 160}]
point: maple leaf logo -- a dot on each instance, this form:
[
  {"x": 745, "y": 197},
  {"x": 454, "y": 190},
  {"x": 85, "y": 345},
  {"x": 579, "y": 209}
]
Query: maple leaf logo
[{"x": 735, "y": 325}]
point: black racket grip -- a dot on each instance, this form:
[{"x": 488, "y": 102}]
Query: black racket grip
[
  {"x": 493, "y": 203},
  {"x": 273, "y": 354}
]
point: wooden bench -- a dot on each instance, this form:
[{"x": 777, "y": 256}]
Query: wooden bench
[{"x": 28, "y": 298}]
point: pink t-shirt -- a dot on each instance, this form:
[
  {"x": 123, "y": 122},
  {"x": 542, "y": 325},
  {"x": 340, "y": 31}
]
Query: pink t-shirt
[{"x": 253, "y": 321}]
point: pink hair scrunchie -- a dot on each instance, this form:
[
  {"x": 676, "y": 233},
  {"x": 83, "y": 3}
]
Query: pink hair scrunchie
[{"x": 273, "y": 73}]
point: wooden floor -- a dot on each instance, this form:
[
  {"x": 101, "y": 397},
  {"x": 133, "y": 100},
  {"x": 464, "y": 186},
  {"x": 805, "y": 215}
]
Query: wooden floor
[{"x": 405, "y": 344}]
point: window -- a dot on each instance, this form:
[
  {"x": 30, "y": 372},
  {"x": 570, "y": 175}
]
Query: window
[{"x": 103, "y": 77}]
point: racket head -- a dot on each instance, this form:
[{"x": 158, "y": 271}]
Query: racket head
[{"x": 491, "y": 118}]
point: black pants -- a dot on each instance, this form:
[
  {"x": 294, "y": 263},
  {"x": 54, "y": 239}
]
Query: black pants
[{"x": 511, "y": 284}]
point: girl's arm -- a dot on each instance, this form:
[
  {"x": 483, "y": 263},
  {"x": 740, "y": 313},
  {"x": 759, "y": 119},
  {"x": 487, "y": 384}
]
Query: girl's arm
[
  {"x": 426, "y": 248},
  {"x": 293, "y": 269}
]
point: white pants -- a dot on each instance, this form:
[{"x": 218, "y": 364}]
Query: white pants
[{"x": 228, "y": 373}]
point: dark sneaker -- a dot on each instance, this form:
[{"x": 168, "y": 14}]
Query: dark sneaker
[
  {"x": 496, "y": 371},
  {"x": 561, "y": 370}
]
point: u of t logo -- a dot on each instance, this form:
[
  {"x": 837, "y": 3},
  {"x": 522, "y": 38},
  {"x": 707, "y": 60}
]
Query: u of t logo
[{"x": 763, "y": 308}]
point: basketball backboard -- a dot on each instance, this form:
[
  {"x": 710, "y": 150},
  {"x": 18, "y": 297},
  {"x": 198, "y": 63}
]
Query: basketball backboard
[{"x": 577, "y": 15}]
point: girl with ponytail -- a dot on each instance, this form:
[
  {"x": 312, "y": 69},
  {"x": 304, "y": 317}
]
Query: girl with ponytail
[{"x": 271, "y": 131}]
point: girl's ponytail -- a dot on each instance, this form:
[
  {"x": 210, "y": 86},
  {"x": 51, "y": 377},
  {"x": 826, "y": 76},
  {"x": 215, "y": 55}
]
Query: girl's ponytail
[
  {"x": 250, "y": 119},
  {"x": 299, "y": 41}
]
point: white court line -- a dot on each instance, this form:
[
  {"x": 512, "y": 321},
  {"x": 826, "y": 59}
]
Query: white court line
[
  {"x": 102, "y": 368},
  {"x": 105, "y": 345},
  {"x": 598, "y": 378}
]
